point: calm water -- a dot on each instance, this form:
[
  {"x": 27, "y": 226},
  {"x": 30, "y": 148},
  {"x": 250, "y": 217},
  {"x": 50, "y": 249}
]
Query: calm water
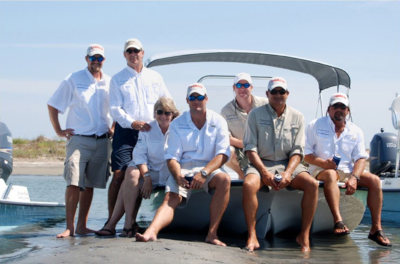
[{"x": 17, "y": 241}]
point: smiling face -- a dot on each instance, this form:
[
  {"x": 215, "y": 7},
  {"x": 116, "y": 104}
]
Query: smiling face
[
  {"x": 242, "y": 92},
  {"x": 134, "y": 60},
  {"x": 337, "y": 113},
  {"x": 163, "y": 116},
  {"x": 94, "y": 66},
  {"x": 277, "y": 100}
]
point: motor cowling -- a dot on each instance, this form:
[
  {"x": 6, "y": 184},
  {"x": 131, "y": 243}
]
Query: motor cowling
[{"x": 383, "y": 148}]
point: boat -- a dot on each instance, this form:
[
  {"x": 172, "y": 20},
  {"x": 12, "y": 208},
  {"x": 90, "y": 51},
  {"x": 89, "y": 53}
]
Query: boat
[
  {"x": 384, "y": 161},
  {"x": 16, "y": 208},
  {"x": 272, "y": 217}
]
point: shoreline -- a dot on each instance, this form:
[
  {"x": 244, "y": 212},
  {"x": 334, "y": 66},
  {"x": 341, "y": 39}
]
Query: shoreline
[{"x": 38, "y": 167}]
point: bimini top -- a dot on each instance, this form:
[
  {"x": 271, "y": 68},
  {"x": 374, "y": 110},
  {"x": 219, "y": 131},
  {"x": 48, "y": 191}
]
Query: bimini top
[{"x": 326, "y": 75}]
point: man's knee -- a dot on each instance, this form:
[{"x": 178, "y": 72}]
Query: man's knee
[
  {"x": 307, "y": 183},
  {"x": 328, "y": 176},
  {"x": 222, "y": 180},
  {"x": 251, "y": 182},
  {"x": 172, "y": 199},
  {"x": 118, "y": 177}
]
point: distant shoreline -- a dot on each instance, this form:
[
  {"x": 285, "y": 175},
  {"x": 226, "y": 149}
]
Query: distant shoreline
[{"x": 45, "y": 167}]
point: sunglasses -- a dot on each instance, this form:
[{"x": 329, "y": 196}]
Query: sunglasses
[
  {"x": 136, "y": 51},
  {"x": 245, "y": 85},
  {"x": 282, "y": 92},
  {"x": 341, "y": 106},
  {"x": 93, "y": 58},
  {"x": 199, "y": 98},
  {"x": 160, "y": 112}
]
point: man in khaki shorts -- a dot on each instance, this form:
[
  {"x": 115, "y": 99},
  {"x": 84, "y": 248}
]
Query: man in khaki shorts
[
  {"x": 197, "y": 142},
  {"x": 334, "y": 135},
  {"x": 274, "y": 142},
  {"x": 86, "y": 95}
]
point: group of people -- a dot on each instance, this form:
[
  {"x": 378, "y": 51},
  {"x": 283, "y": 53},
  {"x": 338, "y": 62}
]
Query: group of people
[{"x": 153, "y": 144}]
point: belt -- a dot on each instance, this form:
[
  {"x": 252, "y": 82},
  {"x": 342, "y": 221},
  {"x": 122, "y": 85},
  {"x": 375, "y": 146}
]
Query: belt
[{"x": 105, "y": 135}]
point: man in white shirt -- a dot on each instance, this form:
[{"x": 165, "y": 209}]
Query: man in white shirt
[
  {"x": 86, "y": 94},
  {"x": 334, "y": 135},
  {"x": 133, "y": 93},
  {"x": 198, "y": 142}
]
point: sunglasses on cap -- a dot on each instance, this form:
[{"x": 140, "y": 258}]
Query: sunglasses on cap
[
  {"x": 199, "y": 98},
  {"x": 245, "y": 85},
  {"x": 275, "y": 91},
  {"x": 134, "y": 50},
  {"x": 93, "y": 58},
  {"x": 160, "y": 112},
  {"x": 341, "y": 106}
]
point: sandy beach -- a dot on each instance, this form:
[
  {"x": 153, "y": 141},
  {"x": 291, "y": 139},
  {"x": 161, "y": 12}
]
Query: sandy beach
[{"x": 38, "y": 167}]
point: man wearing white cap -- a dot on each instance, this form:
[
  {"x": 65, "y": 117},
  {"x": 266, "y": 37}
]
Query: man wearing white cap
[
  {"x": 235, "y": 114},
  {"x": 88, "y": 133},
  {"x": 133, "y": 93},
  {"x": 335, "y": 136},
  {"x": 197, "y": 142},
  {"x": 274, "y": 143}
]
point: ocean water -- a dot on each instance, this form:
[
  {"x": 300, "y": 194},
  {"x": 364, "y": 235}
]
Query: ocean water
[{"x": 17, "y": 241}]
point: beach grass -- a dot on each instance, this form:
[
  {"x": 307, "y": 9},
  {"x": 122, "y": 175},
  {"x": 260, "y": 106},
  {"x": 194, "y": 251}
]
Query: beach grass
[{"x": 39, "y": 148}]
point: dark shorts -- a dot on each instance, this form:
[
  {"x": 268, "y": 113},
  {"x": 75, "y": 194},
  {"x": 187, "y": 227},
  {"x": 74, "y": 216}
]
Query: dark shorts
[{"x": 124, "y": 141}]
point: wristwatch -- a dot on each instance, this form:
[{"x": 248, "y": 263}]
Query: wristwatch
[
  {"x": 146, "y": 174},
  {"x": 203, "y": 174},
  {"x": 355, "y": 176}
]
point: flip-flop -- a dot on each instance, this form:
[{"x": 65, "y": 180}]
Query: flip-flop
[
  {"x": 340, "y": 225},
  {"x": 111, "y": 232},
  {"x": 374, "y": 237}
]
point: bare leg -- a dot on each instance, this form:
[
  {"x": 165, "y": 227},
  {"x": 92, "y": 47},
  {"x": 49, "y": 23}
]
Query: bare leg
[
  {"x": 332, "y": 195},
  {"x": 374, "y": 201},
  {"x": 163, "y": 217},
  {"x": 71, "y": 203},
  {"x": 130, "y": 196},
  {"x": 113, "y": 190},
  {"x": 234, "y": 165},
  {"x": 221, "y": 182},
  {"x": 309, "y": 186},
  {"x": 251, "y": 185},
  {"x": 85, "y": 200}
]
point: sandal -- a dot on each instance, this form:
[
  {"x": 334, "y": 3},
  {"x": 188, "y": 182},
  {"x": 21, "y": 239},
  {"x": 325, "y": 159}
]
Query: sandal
[
  {"x": 111, "y": 232},
  {"x": 340, "y": 225},
  {"x": 374, "y": 237},
  {"x": 134, "y": 229}
]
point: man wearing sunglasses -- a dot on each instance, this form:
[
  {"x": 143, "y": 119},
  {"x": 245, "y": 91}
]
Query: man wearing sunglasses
[
  {"x": 133, "y": 93},
  {"x": 274, "y": 144},
  {"x": 86, "y": 94},
  {"x": 235, "y": 114},
  {"x": 197, "y": 142},
  {"x": 334, "y": 135}
]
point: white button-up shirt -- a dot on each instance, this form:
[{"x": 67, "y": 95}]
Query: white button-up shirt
[
  {"x": 149, "y": 150},
  {"x": 88, "y": 102},
  {"x": 185, "y": 142},
  {"x": 133, "y": 95},
  {"x": 321, "y": 141}
]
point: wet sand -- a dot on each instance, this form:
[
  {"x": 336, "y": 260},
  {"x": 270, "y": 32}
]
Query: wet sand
[{"x": 38, "y": 167}]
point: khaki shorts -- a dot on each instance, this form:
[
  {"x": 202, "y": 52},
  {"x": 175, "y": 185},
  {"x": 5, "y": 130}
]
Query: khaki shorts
[
  {"x": 87, "y": 163},
  {"x": 275, "y": 167},
  {"x": 172, "y": 185},
  {"x": 154, "y": 175},
  {"x": 341, "y": 175}
]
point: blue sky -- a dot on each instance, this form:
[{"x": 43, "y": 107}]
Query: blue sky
[{"x": 42, "y": 42}]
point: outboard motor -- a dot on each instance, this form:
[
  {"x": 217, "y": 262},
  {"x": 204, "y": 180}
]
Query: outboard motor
[
  {"x": 6, "y": 158},
  {"x": 383, "y": 148}
]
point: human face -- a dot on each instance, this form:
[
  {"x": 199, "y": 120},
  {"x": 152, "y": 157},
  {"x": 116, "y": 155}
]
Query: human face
[
  {"x": 336, "y": 112},
  {"x": 163, "y": 117},
  {"x": 196, "y": 105},
  {"x": 95, "y": 66},
  {"x": 277, "y": 100},
  {"x": 134, "y": 60},
  {"x": 242, "y": 92}
]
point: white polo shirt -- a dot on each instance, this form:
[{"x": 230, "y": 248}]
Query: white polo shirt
[
  {"x": 149, "y": 150},
  {"x": 321, "y": 140},
  {"x": 185, "y": 142},
  {"x": 133, "y": 95},
  {"x": 88, "y": 102}
]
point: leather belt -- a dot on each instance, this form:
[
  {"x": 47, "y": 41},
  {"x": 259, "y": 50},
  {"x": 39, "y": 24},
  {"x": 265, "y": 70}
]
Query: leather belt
[{"x": 105, "y": 135}]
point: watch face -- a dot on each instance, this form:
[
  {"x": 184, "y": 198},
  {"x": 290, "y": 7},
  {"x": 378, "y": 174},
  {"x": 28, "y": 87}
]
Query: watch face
[{"x": 203, "y": 173}]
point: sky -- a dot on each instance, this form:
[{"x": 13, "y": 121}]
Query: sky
[{"x": 43, "y": 42}]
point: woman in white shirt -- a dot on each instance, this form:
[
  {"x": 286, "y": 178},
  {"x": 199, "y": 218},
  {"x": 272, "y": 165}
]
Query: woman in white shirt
[{"x": 146, "y": 170}]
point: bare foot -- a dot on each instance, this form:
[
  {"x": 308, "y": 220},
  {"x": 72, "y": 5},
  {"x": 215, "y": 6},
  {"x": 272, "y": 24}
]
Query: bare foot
[
  {"x": 212, "y": 239},
  {"x": 252, "y": 244},
  {"x": 84, "y": 231},
  {"x": 304, "y": 243},
  {"x": 145, "y": 237},
  {"x": 66, "y": 233}
]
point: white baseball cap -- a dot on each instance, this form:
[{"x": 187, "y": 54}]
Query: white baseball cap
[
  {"x": 95, "y": 49},
  {"x": 277, "y": 82},
  {"x": 339, "y": 98},
  {"x": 242, "y": 76},
  {"x": 196, "y": 88},
  {"x": 133, "y": 43}
]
